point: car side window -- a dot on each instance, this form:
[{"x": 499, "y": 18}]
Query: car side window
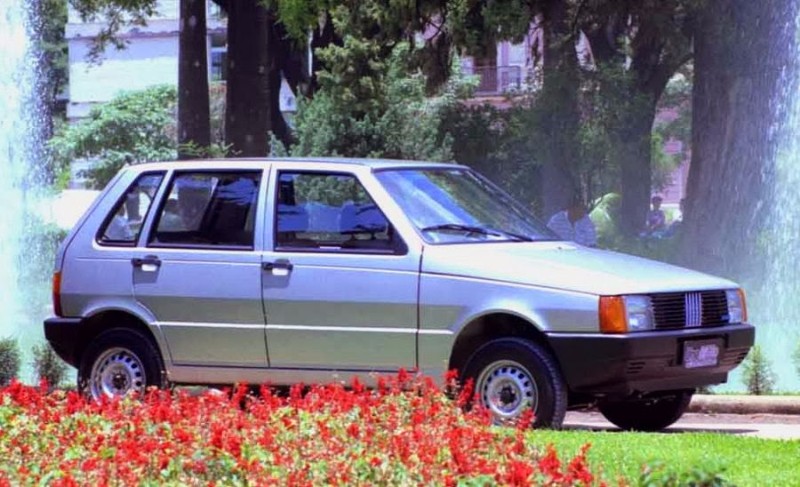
[
  {"x": 124, "y": 223},
  {"x": 209, "y": 209},
  {"x": 330, "y": 211}
]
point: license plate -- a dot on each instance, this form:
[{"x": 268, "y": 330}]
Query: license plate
[{"x": 700, "y": 354}]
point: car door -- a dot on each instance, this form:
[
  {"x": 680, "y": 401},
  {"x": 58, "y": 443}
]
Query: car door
[
  {"x": 340, "y": 286},
  {"x": 199, "y": 273}
]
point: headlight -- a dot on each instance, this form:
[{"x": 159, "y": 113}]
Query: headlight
[
  {"x": 623, "y": 314},
  {"x": 639, "y": 313},
  {"x": 737, "y": 307}
]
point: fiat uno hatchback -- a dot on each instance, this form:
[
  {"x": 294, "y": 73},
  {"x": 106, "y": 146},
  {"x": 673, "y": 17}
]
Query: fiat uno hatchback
[{"x": 282, "y": 271}]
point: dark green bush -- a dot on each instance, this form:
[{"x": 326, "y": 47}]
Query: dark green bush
[
  {"x": 48, "y": 366},
  {"x": 9, "y": 360}
]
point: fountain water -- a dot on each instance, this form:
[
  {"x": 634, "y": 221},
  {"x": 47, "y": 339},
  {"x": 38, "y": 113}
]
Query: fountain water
[
  {"x": 777, "y": 304},
  {"x": 20, "y": 116}
]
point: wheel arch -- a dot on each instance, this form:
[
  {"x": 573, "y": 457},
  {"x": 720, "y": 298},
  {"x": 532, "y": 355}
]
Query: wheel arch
[
  {"x": 107, "y": 319},
  {"x": 491, "y": 326}
]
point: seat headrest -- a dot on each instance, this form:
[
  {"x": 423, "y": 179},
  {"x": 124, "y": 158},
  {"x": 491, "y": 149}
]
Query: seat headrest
[{"x": 292, "y": 218}]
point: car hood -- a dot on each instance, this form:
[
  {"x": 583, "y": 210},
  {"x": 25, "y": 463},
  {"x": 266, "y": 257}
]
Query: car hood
[{"x": 565, "y": 266}]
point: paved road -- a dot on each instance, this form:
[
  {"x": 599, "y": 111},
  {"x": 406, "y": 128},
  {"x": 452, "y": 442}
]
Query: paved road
[{"x": 775, "y": 426}]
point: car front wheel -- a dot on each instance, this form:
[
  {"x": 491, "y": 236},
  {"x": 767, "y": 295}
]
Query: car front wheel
[
  {"x": 513, "y": 375},
  {"x": 653, "y": 413},
  {"x": 120, "y": 362}
]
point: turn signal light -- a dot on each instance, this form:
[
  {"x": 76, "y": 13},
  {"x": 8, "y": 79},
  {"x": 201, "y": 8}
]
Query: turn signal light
[
  {"x": 57, "y": 294},
  {"x": 612, "y": 315},
  {"x": 744, "y": 305}
]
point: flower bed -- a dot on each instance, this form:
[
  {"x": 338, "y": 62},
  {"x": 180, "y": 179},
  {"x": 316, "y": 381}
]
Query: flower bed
[{"x": 402, "y": 433}]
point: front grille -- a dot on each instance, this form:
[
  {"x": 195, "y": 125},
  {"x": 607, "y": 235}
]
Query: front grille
[{"x": 689, "y": 310}]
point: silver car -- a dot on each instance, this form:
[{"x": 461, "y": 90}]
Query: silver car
[{"x": 284, "y": 270}]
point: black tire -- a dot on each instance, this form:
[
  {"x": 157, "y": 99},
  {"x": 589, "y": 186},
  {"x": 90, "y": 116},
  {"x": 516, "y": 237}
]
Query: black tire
[
  {"x": 651, "y": 414},
  {"x": 120, "y": 361},
  {"x": 524, "y": 371}
]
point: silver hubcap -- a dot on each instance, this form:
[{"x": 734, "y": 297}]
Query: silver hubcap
[
  {"x": 117, "y": 372},
  {"x": 507, "y": 389}
]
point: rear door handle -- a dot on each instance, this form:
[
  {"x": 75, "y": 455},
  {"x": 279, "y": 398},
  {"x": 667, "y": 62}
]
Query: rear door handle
[
  {"x": 148, "y": 263},
  {"x": 281, "y": 267}
]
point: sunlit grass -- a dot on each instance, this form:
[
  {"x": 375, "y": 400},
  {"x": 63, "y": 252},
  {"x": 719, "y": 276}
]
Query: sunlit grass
[{"x": 743, "y": 461}]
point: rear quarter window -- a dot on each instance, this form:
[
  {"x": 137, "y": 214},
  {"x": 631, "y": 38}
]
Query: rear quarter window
[{"x": 124, "y": 224}]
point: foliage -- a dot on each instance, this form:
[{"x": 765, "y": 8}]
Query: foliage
[
  {"x": 677, "y": 98},
  {"x": 403, "y": 433},
  {"x": 47, "y": 365},
  {"x": 40, "y": 239},
  {"x": 495, "y": 142},
  {"x": 51, "y": 16},
  {"x": 399, "y": 121},
  {"x": 659, "y": 475},
  {"x": 757, "y": 372},
  {"x": 132, "y": 128},
  {"x": 113, "y": 16},
  {"x": 9, "y": 361}
]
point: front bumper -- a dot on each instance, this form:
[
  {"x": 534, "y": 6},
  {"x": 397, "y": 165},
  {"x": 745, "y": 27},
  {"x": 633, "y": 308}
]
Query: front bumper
[
  {"x": 601, "y": 364},
  {"x": 64, "y": 335}
]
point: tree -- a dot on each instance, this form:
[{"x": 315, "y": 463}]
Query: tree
[
  {"x": 193, "y": 93},
  {"x": 132, "y": 128},
  {"x": 757, "y": 373},
  {"x": 560, "y": 85},
  {"x": 115, "y": 15},
  {"x": 637, "y": 47},
  {"x": 194, "y": 124},
  {"x": 741, "y": 54},
  {"x": 51, "y": 21},
  {"x": 400, "y": 121},
  {"x": 254, "y": 75},
  {"x": 248, "y": 107}
]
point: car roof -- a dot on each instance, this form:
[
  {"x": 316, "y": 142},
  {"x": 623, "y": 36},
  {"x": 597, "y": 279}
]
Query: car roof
[{"x": 374, "y": 164}]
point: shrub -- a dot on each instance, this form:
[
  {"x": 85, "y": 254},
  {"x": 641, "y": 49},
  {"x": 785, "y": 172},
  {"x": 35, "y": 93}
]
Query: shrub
[
  {"x": 9, "y": 360},
  {"x": 757, "y": 373},
  {"x": 402, "y": 433},
  {"x": 48, "y": 366},
  {"x": 132, "y": 128}
]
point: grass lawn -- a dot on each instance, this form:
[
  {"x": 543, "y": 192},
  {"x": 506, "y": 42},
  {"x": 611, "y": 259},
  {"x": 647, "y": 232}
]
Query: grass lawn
[{"x": 743, "y": 461}]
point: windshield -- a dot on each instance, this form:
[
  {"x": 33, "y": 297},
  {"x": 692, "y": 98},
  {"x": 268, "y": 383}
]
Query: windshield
[{"x": 459, "y": 206}]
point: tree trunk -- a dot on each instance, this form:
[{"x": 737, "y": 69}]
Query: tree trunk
[
  {"x": 655, "y": 58},
  {"x": 560, "y": 94},
  {"x": 740, "y": 52},
  {"x": 634, "y": 151},
  {"x": 194, "y": 125},
  {"x": 250, "y": 101}
]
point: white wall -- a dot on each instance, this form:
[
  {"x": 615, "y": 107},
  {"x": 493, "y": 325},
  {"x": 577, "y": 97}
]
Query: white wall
[{"x": 146, "y": 62}]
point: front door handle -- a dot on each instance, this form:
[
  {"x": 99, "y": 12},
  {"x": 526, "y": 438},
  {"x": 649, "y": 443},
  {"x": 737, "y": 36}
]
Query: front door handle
[
  {"x": 281, "y": 267},
  {"x": 148, "y": 263}
]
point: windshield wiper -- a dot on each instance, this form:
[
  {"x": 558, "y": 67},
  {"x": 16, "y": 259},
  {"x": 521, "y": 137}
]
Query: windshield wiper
[{"x": 474, "y": 229}]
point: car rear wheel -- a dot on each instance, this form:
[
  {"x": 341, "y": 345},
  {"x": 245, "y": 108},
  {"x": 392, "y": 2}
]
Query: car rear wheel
[
  {"x": 120, "y": 362},
  {"x": 513, "y": 375},
  {"x": 650, "y": 414}
]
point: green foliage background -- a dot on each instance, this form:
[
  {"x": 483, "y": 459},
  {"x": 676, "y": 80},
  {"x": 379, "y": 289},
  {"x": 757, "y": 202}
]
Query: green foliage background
[{"x": 132, "y": 128}]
